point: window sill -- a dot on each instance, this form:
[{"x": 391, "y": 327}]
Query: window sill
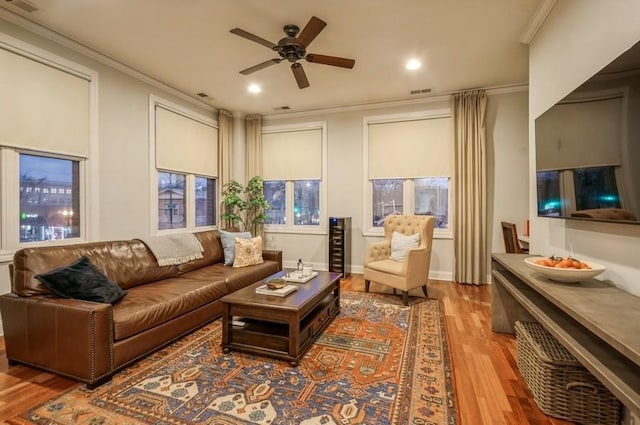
[{"x": 296, "y": 231}]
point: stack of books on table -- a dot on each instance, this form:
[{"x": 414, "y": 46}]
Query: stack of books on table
[{"x": 280, "y": 292}]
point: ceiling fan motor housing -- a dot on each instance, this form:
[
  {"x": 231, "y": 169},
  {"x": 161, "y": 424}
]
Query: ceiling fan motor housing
[{"x": 287, "y": 47}]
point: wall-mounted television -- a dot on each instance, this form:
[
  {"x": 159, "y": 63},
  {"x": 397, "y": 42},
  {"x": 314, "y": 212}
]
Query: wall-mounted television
[{"x": 588, "y": 147}]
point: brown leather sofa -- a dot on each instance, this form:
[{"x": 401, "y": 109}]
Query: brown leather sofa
[{"x": 90, "y": 341}]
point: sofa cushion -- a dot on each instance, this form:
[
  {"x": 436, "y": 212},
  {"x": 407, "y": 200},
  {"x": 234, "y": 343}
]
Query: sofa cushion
[
  {"x": 235, "y": 278},
  {"x": 81, "y": 280},
  {"x": 239, "y": 278},
  {"x": 228, "y": 240},
  {"x": 147, "y": 306},
  {"x": 212, "y": 253},
  {"x": 248, "y": 252}
]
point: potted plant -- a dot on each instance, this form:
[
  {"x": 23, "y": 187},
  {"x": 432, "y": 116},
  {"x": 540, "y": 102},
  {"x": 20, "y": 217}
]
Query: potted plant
[
  {"x": 232, "y": 204},
  {"x": 243, "y": 207},
  {"x": 255, "y": 205}
]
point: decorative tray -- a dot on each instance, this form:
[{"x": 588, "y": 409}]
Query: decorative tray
[{"x": 298, "y": 277}]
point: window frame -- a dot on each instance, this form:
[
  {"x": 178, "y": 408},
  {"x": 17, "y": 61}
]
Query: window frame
[
  {"x": 408, "y": 182},
  {"x": 290, "y": 227},
  {"x": 88, "y": 171},
  {"x": 190, "y": 177}
]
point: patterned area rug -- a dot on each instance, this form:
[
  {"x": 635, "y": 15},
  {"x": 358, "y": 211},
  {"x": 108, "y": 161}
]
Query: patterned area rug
[{"x": 377, "y": 363}]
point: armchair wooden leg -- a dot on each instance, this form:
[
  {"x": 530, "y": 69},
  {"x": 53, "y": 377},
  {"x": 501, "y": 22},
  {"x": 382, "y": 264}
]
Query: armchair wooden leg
[
  {"x": 394, "y": 291},
  {"x": 424, "y": 289},
  {"x": 405, "y": 297},
  {"x": 366, "y": 285}
]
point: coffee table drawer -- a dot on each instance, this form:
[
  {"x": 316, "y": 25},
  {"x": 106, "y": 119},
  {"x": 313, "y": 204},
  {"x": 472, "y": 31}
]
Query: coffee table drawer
[{"x": 324, "y": 315}]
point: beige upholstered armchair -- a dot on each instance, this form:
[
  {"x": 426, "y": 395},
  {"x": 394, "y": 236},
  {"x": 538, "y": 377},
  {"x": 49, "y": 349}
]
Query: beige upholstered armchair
[{"x": 405, "y": 273}]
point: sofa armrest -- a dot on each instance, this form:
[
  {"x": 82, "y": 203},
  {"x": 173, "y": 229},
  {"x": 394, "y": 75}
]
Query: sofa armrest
[
  {"x": 377, "y": 251},
  {"x": 70, "y": 337},
  {"x": 273, "y": 255}
]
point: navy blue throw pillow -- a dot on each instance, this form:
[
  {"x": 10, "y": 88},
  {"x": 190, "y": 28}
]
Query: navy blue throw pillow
[{"x": 83, "y": 281}]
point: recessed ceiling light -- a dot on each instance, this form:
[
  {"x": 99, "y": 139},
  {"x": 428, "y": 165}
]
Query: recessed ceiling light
[
  {"x": 413, "y": 64},
  {"x": 254, "y": 88}
]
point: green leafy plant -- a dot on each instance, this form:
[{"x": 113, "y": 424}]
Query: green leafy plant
[{"x": 243, "y": 206}]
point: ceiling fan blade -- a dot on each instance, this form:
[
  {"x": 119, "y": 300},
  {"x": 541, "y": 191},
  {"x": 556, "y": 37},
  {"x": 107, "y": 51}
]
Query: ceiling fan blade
[
  {"x": 301, "y": 77},
  {"x": 260, "y": 66},
  {"x": 252, "y": 37},
  {"x": 311, "y": 31},
  {"x": 331, "y": 60}
]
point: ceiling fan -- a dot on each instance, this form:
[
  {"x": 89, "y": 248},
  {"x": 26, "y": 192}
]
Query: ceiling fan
[{"x": 293, "y": 48}]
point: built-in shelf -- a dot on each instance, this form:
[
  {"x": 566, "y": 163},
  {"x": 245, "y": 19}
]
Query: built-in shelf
[{"x": 594, "y": 320}]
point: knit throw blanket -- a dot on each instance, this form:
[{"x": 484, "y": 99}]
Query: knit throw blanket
[{"x": 174, "y": 249}]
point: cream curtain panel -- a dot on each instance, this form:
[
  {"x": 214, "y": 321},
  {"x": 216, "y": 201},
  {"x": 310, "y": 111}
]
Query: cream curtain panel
[
  {"x": 42, "y": 108},
  {"x": 470, "y": 195},
  {"x": 254, "y": 147},
  {"x": 225, "y": 146}
]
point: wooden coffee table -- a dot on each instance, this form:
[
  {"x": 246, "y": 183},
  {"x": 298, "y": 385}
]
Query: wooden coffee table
[{"x": 280, "y": 327}]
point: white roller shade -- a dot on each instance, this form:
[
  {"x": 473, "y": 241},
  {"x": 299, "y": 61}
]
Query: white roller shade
[
  {"x": 42, "y": 108},
  {"x": 185, "y": 145},
  {"x": 410, "y": 149},
  {"x": 579, "y": 134},
  {"x": 292, "y": 155}
]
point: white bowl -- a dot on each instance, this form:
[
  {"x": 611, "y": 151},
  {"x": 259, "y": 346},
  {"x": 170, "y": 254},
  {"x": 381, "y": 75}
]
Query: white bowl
[{"x": 565, "y": 275}]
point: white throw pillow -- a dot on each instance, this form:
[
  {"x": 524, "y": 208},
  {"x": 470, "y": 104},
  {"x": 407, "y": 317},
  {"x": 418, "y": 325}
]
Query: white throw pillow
[{"x": 400, "y": 243}]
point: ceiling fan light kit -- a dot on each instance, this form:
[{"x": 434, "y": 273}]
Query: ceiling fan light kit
[{"x": 293, "y": 48}]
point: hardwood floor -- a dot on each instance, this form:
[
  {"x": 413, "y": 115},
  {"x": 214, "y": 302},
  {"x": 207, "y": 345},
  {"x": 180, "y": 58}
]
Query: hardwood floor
[{"x": 489, "y": 389}]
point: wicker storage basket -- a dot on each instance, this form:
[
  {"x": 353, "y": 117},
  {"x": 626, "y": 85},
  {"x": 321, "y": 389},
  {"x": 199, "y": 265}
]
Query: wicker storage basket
[{"x": 560, "y": 385}]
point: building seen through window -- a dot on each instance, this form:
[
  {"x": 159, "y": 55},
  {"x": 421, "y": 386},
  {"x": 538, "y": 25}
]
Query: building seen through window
[
  {"x": 49, "y": 198},
  {"x": 171, "y": 201}
]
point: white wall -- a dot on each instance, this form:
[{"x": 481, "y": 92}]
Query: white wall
[
  {"x": 577, "y": 39},
  {"x": 507, "y": 177}
]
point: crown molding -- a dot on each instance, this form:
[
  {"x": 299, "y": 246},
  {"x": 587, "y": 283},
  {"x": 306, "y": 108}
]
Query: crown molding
[
  {"x": 544, "y": 8},
  {"x": 76, "y": 46},
  {"x": 441, "y": 97}
]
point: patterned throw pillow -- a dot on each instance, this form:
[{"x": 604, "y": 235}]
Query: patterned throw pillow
[{"x": 248, "y": 252}]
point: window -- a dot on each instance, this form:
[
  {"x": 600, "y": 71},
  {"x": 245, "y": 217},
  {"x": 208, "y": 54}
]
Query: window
[
  {"x": 407, "y": 168},
  {"x": 306, "y": 204},
  {"x": 171, "y": 201},
  {"x": 40, "y": 219},
  {"x": 296, "y": 193},
  {"x": 205, "y": 201},
  {"x": 184, "y": 154},
  {"x": 388, "y": 198},
  {"x": 47, "y": 134},
  {"x": 275, "y": 192},
  {"x": 431, "y": 197}
]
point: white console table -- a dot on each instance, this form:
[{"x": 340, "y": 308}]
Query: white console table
[{"x": 597, "y": 322}]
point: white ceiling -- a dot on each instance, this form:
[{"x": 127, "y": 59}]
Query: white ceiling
[{"x": 187, "y": 45}]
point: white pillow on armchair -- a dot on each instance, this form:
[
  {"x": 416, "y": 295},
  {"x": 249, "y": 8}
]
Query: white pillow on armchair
[{"x": 400, "y": 243}]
